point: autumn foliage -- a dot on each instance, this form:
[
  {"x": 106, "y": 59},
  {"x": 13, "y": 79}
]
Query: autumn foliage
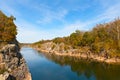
[
  {"x": 8, "y": 30},
  {"x": 102, "y": 38}
]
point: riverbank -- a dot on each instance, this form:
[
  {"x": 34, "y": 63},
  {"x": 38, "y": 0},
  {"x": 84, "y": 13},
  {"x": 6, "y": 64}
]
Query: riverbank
[
  {"x": 87, "y": 55},
  {"x": 12, "y": 65}
]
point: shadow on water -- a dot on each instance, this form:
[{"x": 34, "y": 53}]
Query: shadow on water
[{"x": 101, "y": 71}]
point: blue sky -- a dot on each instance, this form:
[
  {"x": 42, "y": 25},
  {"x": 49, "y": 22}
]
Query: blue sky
[{"x": 47, "y": 19}]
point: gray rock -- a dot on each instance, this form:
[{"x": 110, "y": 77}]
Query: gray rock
[{"x": 14, "y": 65}]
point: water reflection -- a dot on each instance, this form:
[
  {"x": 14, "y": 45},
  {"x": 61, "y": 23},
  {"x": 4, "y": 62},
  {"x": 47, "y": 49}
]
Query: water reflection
[
  {"x": 50, "y": 67},
  {"x": 98, "y": 71}
]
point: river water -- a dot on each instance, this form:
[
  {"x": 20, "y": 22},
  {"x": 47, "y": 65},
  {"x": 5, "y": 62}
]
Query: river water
[{"x": 50, "y": 67}]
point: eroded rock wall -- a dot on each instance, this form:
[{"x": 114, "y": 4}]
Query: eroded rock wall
[{"x": 12, "y": 64}]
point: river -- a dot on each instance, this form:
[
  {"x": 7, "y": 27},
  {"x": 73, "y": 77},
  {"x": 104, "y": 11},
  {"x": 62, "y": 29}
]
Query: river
[{"x": 49, "y": 67}]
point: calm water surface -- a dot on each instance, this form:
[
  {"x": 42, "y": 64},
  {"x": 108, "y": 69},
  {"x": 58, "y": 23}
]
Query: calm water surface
[{"x": 49, "y": 67}]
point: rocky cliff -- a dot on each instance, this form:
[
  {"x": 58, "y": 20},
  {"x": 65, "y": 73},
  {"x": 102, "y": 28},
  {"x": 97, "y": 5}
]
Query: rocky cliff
[
  {"x": 12, "y": 64},
  {"x": 83, "y": 52}
]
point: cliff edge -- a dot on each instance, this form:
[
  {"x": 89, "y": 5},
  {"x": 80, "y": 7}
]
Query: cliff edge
[{"x": 12, "y": 64}]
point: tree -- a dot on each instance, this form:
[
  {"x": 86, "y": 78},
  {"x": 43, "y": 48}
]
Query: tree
[
  {"x": 8, "y": 29},
  {"x": 75, "y": 38},
  {"x": 87, "y": 39}
]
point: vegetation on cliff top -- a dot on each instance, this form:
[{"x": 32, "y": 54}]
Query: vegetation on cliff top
[
  {"x": 103, "y": 37},
  {"x": 8, "y": 29}
]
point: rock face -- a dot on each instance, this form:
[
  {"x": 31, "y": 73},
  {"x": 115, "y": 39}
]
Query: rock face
[
  {"x": 12, "y": 64},
  {"x": 62, "y": 50}
]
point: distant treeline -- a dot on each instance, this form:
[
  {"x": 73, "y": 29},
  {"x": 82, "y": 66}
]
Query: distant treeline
[{"x": 103, "y": 37}]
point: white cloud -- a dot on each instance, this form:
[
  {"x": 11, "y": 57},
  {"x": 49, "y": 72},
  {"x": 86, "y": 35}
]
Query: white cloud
[
  {"x": 29, "y": 32},
  {"x": 110, "y": 14},
  {"x": 28, "y": 36},
  {"x": 49, "y": 15},
  {"x": 8, "y": 9}
]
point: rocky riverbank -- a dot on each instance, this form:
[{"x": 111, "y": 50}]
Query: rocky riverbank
[
  {"x": 80, "y": 53},
  {"x": 12, "y": 64}
]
